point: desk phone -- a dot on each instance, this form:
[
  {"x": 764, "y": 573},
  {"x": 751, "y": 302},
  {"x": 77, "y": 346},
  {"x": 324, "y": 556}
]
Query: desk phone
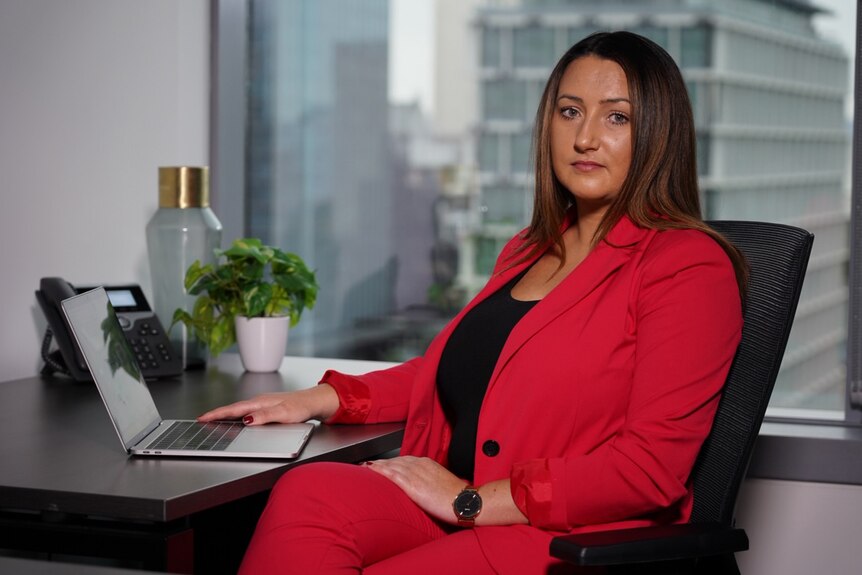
[{"x": 149, "y": 341}]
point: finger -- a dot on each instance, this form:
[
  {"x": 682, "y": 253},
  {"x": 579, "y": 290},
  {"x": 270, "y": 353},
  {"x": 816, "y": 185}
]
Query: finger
[
  {"x": 233, "y": 411},
  {"x": 398, "y": 471},
  {"x": 382, "y": 468},
  {"x": 239, "y": 409},
  {"x": 280, "y": 413},
  {"x": 400, "y": 465},
  {"x": 392, "y": 466}
]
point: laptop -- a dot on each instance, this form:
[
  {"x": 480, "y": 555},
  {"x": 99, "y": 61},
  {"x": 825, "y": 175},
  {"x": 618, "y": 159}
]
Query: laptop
[{"x": 133, "y": 412}]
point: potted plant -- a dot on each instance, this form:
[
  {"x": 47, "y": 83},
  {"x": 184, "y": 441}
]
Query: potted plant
[{"x": 250, "y": 295}]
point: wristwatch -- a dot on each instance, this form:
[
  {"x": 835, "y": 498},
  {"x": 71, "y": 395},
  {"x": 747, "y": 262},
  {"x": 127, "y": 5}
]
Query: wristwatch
[{"x": 467, "y": 506}]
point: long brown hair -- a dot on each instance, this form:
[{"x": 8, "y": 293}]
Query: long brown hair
[{"x": 660, "y": 190}]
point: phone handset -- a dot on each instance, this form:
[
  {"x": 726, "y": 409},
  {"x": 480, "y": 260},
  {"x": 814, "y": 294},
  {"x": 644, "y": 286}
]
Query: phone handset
[
  {"x": 67, "y": 358},
  {"x": 147, "y": 338}
]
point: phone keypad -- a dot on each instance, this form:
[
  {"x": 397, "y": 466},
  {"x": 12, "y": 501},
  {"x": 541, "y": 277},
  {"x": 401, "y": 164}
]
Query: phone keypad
[
  {"x": 149, "y": 346},
  {"x": 144, "y": 329}
]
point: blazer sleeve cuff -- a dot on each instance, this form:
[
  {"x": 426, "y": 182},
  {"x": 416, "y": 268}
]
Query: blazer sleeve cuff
[
  {"x": 534, "y": 484},
  {"x": 354, "y": 397}
]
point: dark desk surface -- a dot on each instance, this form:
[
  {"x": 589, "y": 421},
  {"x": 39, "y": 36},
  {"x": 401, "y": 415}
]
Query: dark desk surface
[
  {"x": 33, "y": 567},
  {"x": 60, "y": 453}
]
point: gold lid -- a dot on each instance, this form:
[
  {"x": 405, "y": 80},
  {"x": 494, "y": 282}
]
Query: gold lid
[{"x": 184, "y": 187}]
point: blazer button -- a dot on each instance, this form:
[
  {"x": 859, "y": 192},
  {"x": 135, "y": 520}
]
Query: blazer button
[{"x": 491, "y": 448}]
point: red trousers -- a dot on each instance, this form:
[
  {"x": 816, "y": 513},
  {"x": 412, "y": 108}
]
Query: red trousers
[{"x": 346, "y": 519}]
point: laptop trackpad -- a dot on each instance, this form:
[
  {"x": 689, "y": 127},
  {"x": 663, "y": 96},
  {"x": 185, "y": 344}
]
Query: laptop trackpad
[{"x": 287, "y": 439}]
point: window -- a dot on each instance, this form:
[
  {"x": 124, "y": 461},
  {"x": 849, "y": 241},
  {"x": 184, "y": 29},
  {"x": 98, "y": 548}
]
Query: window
[
  {"x": 388, "y": 143},
  {"x": 504, "y": 99},
  {"x": 657, "y": 34},
  {"x": 489, "y": 153},
  {"x": 522, "y": 143},
  {"x": 533, "y": 46},
  {"x": 505, "y": 205},
  {"x": 696, "y": 47},
  {"x": 491, "y": 50}
]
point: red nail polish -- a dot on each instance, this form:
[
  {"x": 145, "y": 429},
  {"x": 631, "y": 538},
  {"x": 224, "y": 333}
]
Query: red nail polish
[{"x": 248, "y": 420}]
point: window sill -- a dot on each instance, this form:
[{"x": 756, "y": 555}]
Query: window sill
[{"x": 817, "y": 452}]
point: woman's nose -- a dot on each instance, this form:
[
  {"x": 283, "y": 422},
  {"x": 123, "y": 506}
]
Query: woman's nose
[{"x": 586, "y": 136}]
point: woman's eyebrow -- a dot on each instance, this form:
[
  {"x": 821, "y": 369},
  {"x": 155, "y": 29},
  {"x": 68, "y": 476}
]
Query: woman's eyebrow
[{"x": 604, "y": 101}]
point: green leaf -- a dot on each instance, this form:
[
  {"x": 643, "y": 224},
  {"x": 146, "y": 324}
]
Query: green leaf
[
  {"x": 222, "y": 336},
  {"x": 251, "y": 279},
  {"x": 180, "y": 316},
  {"x": 203, "y": 310},
  {"x": 193, "y": 274},
  {"x": 249, "y": 248},
  {"x": 256, "y": 299}
]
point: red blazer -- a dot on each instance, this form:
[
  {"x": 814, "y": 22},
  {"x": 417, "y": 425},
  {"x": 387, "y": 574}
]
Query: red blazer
[{"x": 603, "y": 392}]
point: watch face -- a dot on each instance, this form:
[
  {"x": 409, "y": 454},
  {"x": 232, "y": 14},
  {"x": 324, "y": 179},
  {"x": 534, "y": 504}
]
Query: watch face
[{"x": 468, "y": 504}]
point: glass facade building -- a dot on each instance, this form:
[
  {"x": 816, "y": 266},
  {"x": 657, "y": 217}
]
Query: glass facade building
[{"x": 318, "y": 166}]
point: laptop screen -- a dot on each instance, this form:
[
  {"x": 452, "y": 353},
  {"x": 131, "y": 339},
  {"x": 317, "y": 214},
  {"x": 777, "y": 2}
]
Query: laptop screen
[{"x": 112, "y": 364}]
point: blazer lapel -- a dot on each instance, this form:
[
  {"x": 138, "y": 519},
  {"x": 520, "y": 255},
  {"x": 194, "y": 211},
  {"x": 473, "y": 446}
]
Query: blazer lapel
[
  {"x": 616, "y": 249},
  {"x": 494, "y": 283}
]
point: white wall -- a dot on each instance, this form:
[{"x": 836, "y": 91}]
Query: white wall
[
  {"x": 798, "y": 528},
  {"x": 95, "y": 95}
]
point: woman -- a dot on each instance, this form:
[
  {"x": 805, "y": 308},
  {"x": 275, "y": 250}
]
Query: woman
[{"x": 574, "y": 392}]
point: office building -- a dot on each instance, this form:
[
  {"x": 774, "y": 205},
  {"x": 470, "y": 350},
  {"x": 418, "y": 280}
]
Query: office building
[{"x": 313, "y": 65}]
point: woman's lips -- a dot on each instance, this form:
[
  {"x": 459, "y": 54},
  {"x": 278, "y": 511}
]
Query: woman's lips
[{"x": 585, "y": 166}]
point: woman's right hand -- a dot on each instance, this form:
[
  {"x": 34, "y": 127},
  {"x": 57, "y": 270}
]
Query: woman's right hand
[{"x": 319, "y": 402}]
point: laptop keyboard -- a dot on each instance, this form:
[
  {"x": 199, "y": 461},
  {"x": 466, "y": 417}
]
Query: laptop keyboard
[{"x": 196, "y": 436}]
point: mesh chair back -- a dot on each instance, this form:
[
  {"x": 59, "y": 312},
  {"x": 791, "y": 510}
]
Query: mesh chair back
[{"x": 778, "y": 257}]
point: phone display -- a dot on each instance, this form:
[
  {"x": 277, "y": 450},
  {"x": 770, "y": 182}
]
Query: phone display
[{"x": 155, "y": 355}]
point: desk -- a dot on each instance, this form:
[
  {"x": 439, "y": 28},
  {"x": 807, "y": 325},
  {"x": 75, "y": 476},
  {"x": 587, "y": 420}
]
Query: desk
[{"x": 67, "y": 487}]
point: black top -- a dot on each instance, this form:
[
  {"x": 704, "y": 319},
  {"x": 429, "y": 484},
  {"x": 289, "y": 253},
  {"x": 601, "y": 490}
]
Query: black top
[{"x": 466, "y": 365}]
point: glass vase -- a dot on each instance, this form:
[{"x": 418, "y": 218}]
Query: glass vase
[{"x": 183, "y": 229}]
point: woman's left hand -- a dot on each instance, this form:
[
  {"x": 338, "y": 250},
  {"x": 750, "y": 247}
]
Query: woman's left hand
[{"x": 430, "y": 485}]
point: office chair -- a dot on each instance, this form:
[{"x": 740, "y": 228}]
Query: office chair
[{"x": 778, "y": 257}]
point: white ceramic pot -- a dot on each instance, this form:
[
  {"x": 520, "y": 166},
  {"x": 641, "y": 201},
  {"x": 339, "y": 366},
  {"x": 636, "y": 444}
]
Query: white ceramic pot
[{"x": 262, "y": 341}]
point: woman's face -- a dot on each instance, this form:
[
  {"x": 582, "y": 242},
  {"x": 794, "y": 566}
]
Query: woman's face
[{"x": 591, "y": 141}]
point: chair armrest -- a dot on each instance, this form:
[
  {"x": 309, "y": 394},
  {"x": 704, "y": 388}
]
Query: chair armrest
[{"x": 645, "y": 544}]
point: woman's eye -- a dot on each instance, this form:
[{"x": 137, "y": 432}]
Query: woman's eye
[
  {"x": 568, "y": 112},
  {"x": 618, "y": 118}
]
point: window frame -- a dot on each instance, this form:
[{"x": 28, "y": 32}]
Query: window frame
[{"x": 853, "y": 391}]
